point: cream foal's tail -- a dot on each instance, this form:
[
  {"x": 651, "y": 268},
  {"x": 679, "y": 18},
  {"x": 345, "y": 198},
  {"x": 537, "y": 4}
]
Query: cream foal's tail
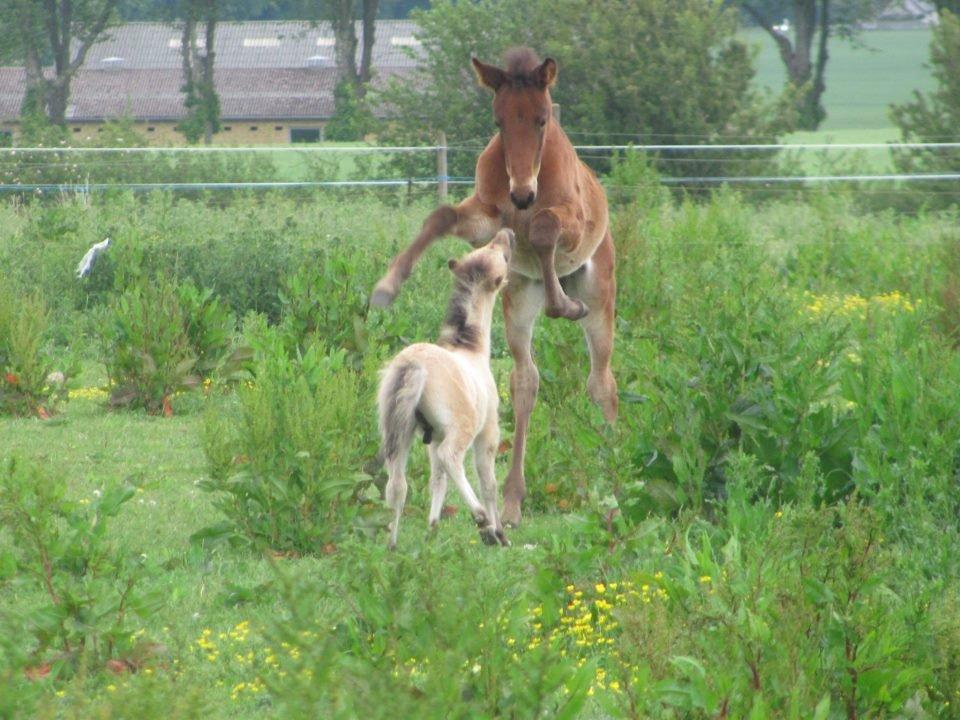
[{"x": 400, "y": 391}]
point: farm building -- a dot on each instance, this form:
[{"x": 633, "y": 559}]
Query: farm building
[
  {"x": 904, "y": 15},
  {"x": 275, "y": 80}
]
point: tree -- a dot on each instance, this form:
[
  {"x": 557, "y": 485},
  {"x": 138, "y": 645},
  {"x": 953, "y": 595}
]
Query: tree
[
  {"x": 935, "y": 117},
  {"x": 952, "y": 5},
  {"x": 342, "y": 15},
  {"x": 672, "y": 71},
  {"x": 805, "y": 55},
  {"x": 57, "y": 31},
  {"x": 353, "y": 80},
  {"x": 202, "y": 102}
]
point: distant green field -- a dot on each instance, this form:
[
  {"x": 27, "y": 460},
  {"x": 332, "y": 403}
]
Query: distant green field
[{"x": 863, "y": 78}]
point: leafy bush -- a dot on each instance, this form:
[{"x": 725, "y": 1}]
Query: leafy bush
[
  {"x": 351, "y": 118},
  {"x": 285, "y": 457},
  {"x": 613, "y": 59},
  {"x": 159, "y": 338},
  {"x": 934, "y": 117},
  {"x": 406, "y": 637},
  {"x": 26, "y": 383},
  {"x": 91, "y": 590},
  {"x": 326, "y": 300}
]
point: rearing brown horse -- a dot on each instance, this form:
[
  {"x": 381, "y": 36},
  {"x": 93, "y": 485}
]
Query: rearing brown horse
[{"x": 530, "y": 180}]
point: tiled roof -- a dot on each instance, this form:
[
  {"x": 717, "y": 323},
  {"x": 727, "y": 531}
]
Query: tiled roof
[
  {"x": 251, "y": 45},
  {"x": 255, "y": 80}
]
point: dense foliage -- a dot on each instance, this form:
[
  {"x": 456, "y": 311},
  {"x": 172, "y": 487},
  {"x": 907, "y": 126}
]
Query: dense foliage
[
  {"x": 769, "y": 531},
  {"x": 934, "y": 117},
  {"x": 667, "y": 72}
]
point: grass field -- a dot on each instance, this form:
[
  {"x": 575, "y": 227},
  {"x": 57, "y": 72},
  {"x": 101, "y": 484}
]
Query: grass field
[
  {"x": 863, "y": 78},
  {"x": 768, "y": 532}
]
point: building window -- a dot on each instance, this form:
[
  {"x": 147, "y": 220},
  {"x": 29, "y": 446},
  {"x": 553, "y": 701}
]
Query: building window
[
  {"x": 227, "y": 128},
  {"x": 304, "y": 135},
  {"x": 253, "y": 128},
  {"x": 150, "y": 128},
  {"x": 76, "y": 130},
  {"x": 278, "y": 128}
]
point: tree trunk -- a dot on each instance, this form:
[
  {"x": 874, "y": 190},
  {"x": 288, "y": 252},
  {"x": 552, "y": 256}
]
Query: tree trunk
[
  {"x": 34, "y": 99},
  {"x": 57, "y": 97},
  {"x": 209, "y": 93},
  {"x": 53, "y": 23},
  {"x": 366, "y": 56},
  {"x": 797, "y": 56},
  {"x": 202, "y": 103},
  {"x": 345, "y": 39}
]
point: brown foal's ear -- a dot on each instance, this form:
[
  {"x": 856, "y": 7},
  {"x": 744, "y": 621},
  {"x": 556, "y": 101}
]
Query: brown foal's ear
[
  {"x": 488, "y": 75},
  {"x": 452, "y": 264},
  {"x": 547, "y": 72}
]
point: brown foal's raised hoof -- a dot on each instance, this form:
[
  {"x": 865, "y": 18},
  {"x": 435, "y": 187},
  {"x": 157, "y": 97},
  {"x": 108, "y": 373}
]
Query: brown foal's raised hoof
[
  {"x": 382, "y": 296},
  {"x": 571, "y": 309}
]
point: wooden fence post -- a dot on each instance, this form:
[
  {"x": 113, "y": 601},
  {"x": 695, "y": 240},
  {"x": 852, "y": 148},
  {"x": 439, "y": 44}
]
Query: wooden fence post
[{"x": 442, "y": 167}]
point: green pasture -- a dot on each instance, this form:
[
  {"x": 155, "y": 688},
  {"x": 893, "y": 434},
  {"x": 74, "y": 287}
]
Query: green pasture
[
  {"x": 769, "y": 531},
  {"x": 864, "y": 77}
]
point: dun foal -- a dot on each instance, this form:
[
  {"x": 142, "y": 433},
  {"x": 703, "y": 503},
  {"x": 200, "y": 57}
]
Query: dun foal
[
  {"x": 447, "y": 390},
  {"x": 530, "y": 180}
]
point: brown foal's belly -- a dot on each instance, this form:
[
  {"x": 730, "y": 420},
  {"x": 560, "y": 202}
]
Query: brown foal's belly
[{"x": 525, "y": 259}]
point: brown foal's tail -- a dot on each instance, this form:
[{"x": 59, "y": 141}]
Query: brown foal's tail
[{"x": 400, "y": 391}]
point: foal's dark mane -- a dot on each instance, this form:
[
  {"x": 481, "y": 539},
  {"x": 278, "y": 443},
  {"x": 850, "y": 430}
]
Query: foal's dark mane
[
  {"x": 520, "y": 64},
  {"x": 463, "y": 334}
]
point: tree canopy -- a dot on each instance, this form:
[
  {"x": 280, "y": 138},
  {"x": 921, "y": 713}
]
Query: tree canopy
[{"x": 667, "y": 70}]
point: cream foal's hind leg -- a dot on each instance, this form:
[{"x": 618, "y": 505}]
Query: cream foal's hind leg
[
  {"x": 396, "y": 492},
  {"x": 484, "y": 460},
  {"x": 450, "y": 455},
  {"x": 438, "y": 485}
]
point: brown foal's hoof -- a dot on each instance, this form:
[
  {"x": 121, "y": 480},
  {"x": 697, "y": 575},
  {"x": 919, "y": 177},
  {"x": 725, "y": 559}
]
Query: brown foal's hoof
[
  {"x": 510, "y": 516},
  {"x": 572, "y": 309},
  {"x": 383, "y": 295}
]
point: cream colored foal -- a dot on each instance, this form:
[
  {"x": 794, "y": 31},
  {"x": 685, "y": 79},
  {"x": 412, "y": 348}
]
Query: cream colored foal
[{"x": 447, "y": 390}]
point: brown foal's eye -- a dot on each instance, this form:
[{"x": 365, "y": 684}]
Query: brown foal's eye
[{"x": 541, "y": 121}]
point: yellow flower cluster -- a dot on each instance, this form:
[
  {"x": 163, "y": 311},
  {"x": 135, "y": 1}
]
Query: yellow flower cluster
[
  {"x": 587, "y": 622},
  {"x": 88, "y": 393},
  {"x": 253, "y": 687},
  {"x": 857, "y": 306}
]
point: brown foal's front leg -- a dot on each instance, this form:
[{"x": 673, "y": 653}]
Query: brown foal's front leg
[
  {"x": 545, "y": 233},
  {"x": 472, "y": 220}
]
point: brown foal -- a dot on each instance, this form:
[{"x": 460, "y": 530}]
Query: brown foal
[{"x": 529, "y": 179}]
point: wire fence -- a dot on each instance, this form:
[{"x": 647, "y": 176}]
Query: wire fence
[{"x": 192, "y": 169}]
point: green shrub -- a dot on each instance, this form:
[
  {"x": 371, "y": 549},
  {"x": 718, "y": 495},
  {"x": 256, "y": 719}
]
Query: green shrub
[
  {"x": 159, "y": 338},
  {"x": 26, "y": 384},
  {"x": 425, "y": 631},
  {"x": 326, "y": 300},
  {"x": 351, "y": 118},
  {"x": 90, "y": 589},
  {"x": 285, "y": 458},
  {"x": 934, "y": 117}
]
